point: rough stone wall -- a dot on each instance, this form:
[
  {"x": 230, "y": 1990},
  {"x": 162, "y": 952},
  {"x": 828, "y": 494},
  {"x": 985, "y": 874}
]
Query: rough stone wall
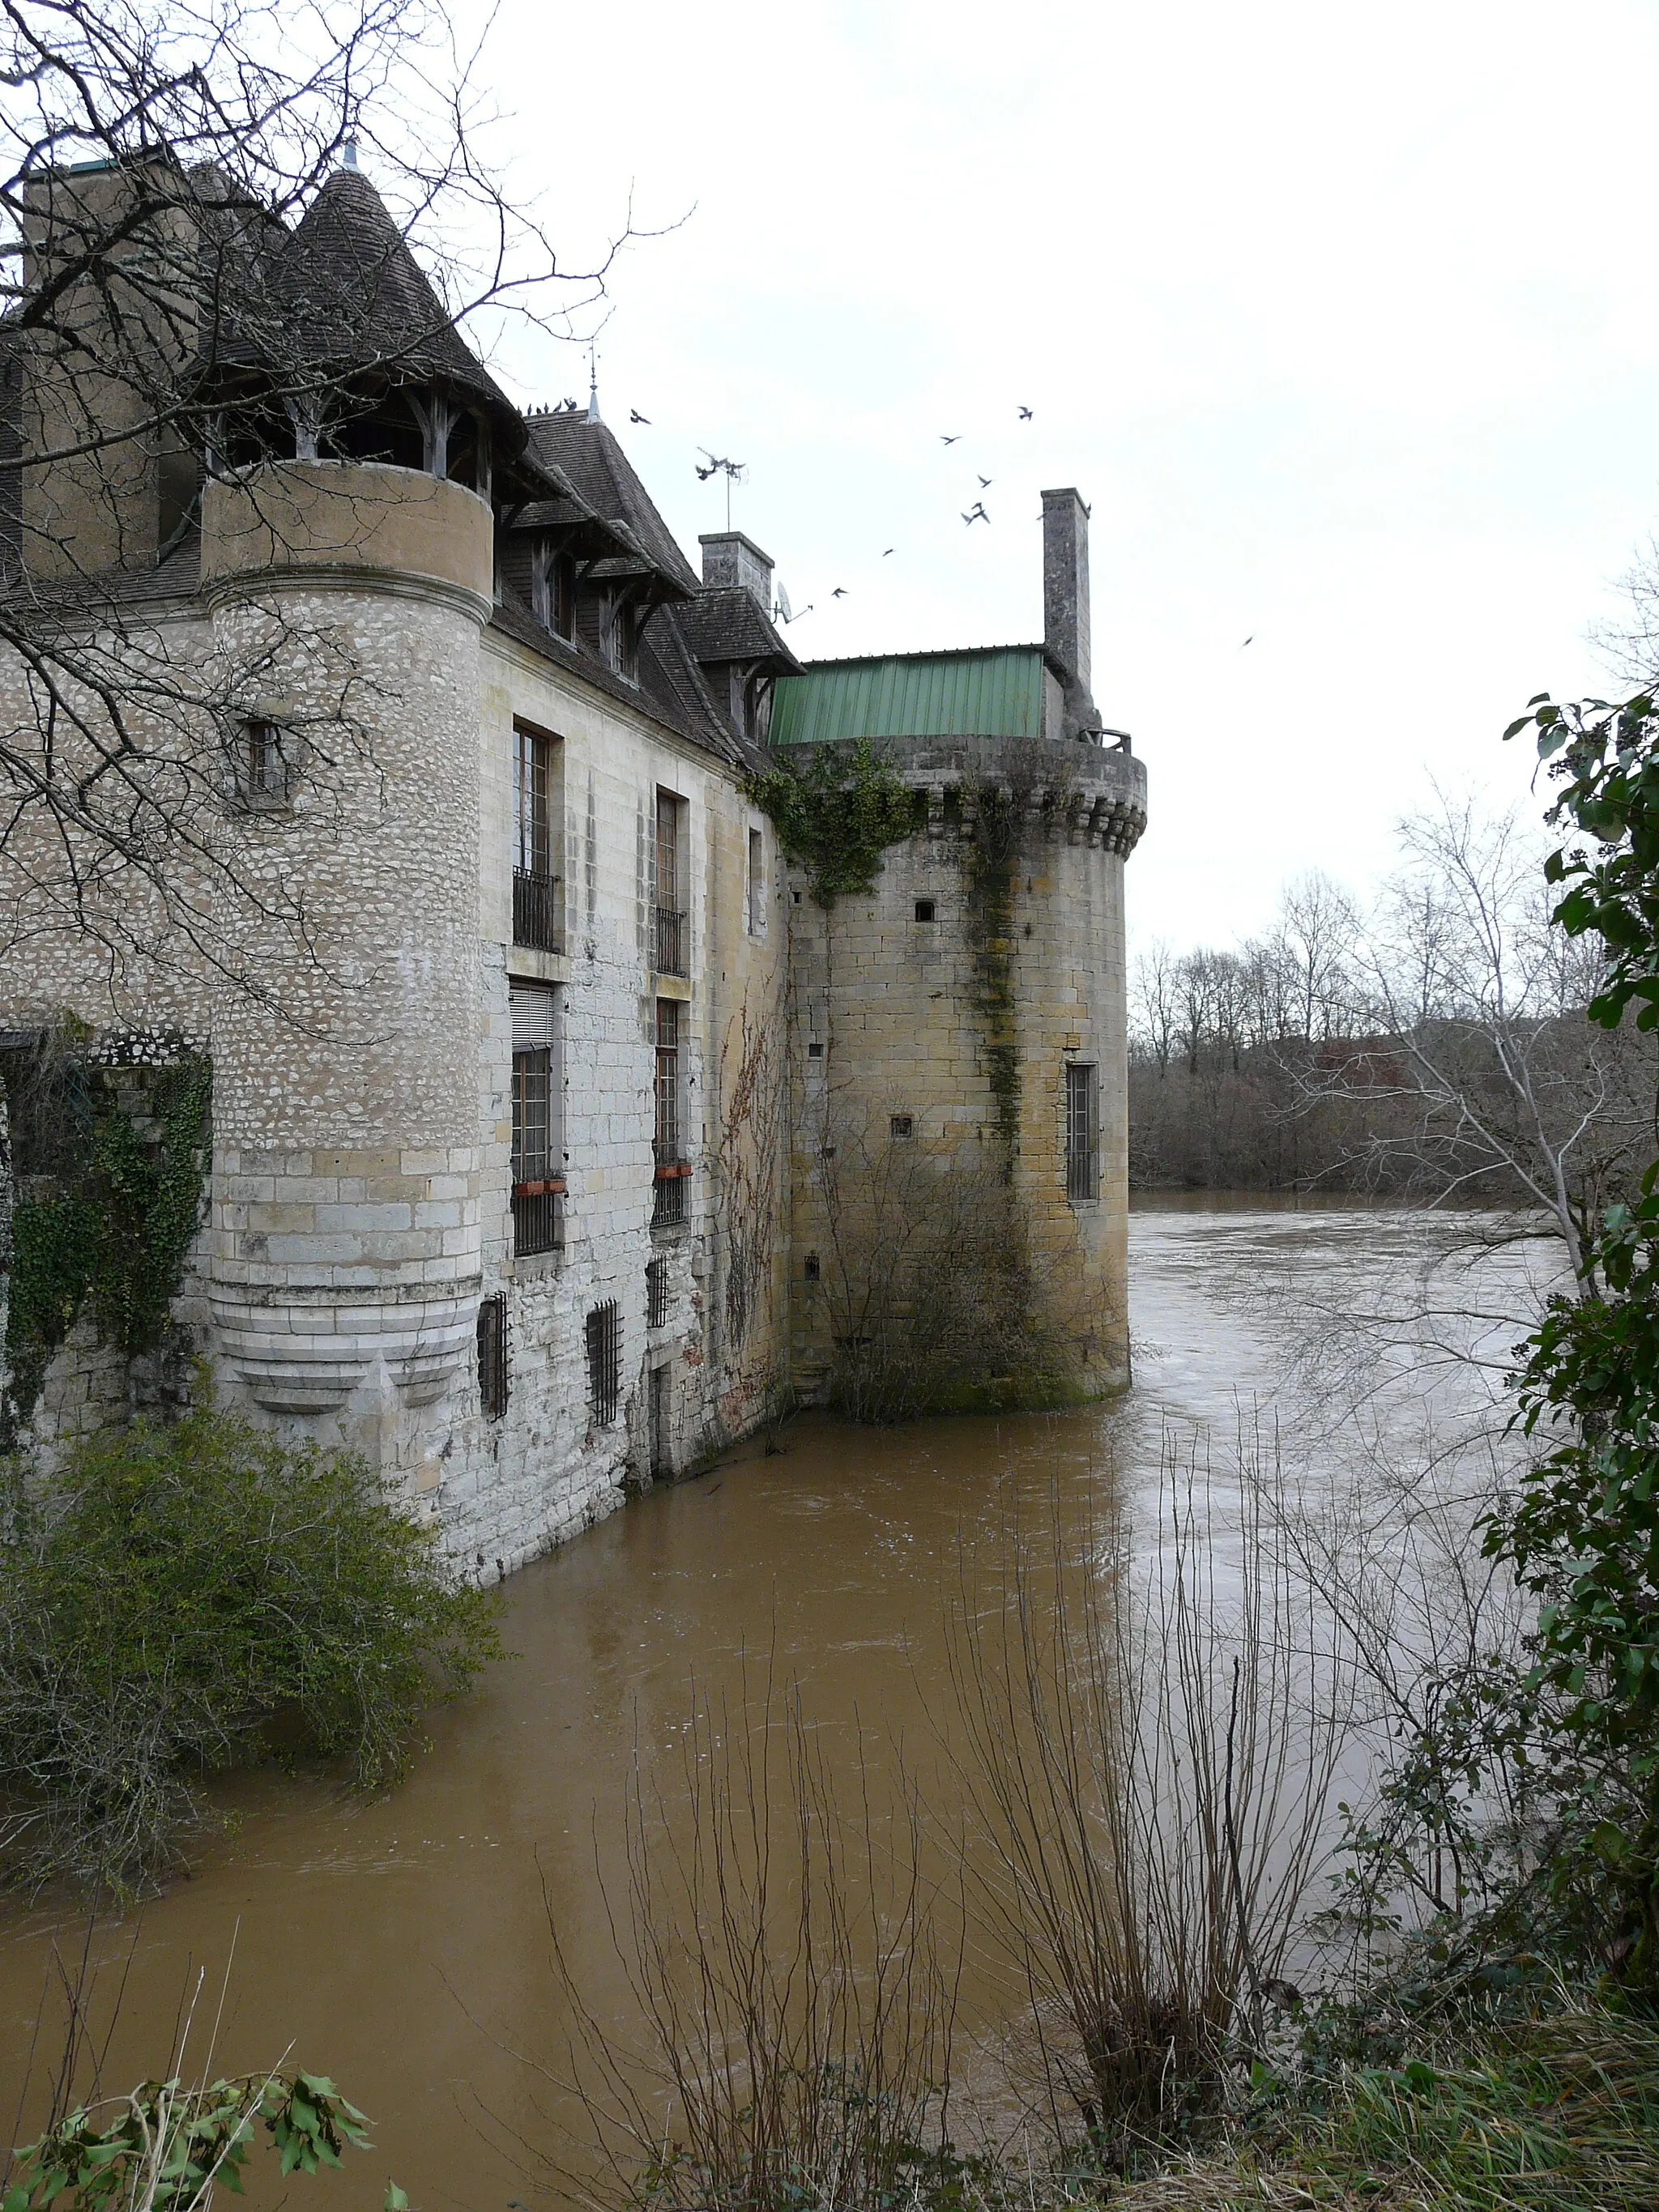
[
  {"x": 931, "y": 1018},
  {"x": 361, "y": 1192},
  {"x": 507, "y": 1488}
]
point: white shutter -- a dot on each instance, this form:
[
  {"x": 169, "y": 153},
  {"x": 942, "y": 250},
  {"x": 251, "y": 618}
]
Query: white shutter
[{"x": 532, "y": 1017}]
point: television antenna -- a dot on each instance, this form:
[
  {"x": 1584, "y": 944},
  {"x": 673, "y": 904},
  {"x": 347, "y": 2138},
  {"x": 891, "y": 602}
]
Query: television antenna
[
  {"x": 785, "y": 613},
  {"x": 733, "y": 472}
]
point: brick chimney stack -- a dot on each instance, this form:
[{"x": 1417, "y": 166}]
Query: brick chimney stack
[
  {"x": 1066, "y": 599},
  {"x": 729, "y": 558}
]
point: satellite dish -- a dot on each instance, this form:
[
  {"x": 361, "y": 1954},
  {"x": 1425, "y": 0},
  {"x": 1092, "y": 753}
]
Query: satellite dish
[{"x": 785, "y": 611}]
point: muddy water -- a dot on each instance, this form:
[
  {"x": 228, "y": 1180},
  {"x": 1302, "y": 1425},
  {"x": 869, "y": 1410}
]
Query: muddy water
[{"x": 401, "y": 1944}]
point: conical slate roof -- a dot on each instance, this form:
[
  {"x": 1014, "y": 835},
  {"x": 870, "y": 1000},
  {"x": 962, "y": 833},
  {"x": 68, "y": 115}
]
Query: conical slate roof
[{"x": 347, "y": 295}]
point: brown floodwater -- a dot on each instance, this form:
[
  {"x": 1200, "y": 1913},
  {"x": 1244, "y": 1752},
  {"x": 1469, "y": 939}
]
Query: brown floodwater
[{"x": 400, "y": 1943}]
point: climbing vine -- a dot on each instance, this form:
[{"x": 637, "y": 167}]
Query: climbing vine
[
  {"x": 103, "y": 1221},
  {"x": 836, "y": 815},
  {"x": 987, "y": 866}
]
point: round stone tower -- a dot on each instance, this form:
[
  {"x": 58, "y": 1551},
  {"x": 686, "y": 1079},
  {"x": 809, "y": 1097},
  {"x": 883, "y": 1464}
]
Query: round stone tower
[
  {"x": 347, "y": 600},
  {"x": 958, "y": 1036}
]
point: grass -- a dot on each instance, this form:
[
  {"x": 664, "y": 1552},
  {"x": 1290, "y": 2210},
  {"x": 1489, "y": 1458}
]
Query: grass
[{"x": 1559, "y": 2110}]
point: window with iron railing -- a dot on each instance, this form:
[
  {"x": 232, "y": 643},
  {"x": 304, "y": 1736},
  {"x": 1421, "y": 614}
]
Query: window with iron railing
[
  {"x": 538, "y": 1183},
  {"x": 1082, "y": 1133},
  {"x": 656, "y": 1294},
  {"x": 671, "y": 948},
  {"x": 603, "y": 1331},
  {"x": 538, "y": 893}
]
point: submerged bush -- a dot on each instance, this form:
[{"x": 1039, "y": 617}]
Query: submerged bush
[{"x": 170, "y": 1597}]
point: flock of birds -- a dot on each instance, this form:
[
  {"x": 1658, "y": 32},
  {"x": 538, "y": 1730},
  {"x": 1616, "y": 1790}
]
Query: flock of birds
[{"x": 714, "y": 465}]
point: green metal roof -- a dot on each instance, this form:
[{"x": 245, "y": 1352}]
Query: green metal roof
[{"x": 996, "y": 692}]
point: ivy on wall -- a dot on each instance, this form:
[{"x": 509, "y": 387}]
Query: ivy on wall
[
  {"x": 108, "y": 1200},
  {"x": 987, "y": 867},
  {"x": 835, "y": 815}
]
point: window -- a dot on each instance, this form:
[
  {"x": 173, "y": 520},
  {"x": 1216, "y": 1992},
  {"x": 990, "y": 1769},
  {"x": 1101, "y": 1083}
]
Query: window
[
  {"x": 538, "y": 907},
  {"x": 538, "y": 1165},
  {"x": 812, "y": 1269},
  {"x": 668, "y": 1081},
  {"x": 756, "y": 883},
  {"x": 553, "y": 589},
  {"x": 602, "y": 1331},
  {"x": 924, "y": 909},
  {"x": 262, "y": 765},
  {"x": 1082, "y": 1133},
  {"x": 620, "y": 637},
  {"x": 656, "y": 1294},
  {"x": 670, "y": 1171},
  {"x": 670, "y": 931},
  {"x": 758, "y": 709},
  {"x": 902, "y": 1125},
  {"x": 492, "y": 1356}
]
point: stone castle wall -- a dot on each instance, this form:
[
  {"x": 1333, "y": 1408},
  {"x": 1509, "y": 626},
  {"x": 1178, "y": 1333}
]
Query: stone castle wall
[
  {"x": 361, "y": 1195},
  {"x": 954, "y": 993}
]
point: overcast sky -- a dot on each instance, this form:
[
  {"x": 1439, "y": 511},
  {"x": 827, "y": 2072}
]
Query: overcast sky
[{"x": 1342, "y": 319}]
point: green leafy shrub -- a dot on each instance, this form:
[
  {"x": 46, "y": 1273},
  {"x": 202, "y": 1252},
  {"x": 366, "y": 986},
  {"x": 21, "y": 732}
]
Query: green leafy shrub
[
  {"x": 164, "y": 2147},
  {"x": 175, "y": 1593}
]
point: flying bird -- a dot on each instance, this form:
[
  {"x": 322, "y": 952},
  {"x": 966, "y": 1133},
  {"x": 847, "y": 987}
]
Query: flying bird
[
  {"x": 1024, "y": 414},
  {"x": 976, "y": 514},
  {"x": 1248, "y": 641},
  {"x": 944, "y": 441},
  {"x": 839, "y": 592},
  {"x": 634, "y": 416},
  {"x": 984, "y": 482},
  {"x": 891, "y": 548}
]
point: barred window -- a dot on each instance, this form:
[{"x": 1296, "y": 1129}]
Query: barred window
[
  {"x": 604, "y": 1332},
  {"x": 492, "y": 1356},
  {"x": 656, "y": 1294},
  {"x": 1082, "y": 1132},
  {"x": 756, "y": 883}
]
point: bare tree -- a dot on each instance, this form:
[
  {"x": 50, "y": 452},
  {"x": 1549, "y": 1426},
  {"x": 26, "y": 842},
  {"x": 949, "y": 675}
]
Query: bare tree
[
  {"x": 1476, "y": 1002},
  {"x": 197, "y": 278}
]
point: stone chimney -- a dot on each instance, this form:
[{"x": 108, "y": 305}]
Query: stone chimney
[
  {"x": 1066, "y": 600},
  {"x": 729, "y": 558}
]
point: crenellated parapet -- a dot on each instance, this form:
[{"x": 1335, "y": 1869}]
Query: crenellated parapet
[{"x": 1061, "y": 791}]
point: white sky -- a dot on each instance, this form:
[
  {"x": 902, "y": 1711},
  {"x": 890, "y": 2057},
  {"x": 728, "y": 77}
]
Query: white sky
[{"x": 1342, "y": 319}]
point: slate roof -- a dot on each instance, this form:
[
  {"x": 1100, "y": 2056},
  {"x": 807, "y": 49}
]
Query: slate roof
[
  {"x": 347, "y": 293},
  {"x": 592, "y": 461},
  {"x": 727, "y": 624}
]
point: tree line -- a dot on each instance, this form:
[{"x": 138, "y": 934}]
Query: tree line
[{"x": 1434, "y": 1044}]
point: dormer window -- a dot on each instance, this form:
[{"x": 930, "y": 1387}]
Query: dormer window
[
  {"x": 562, "y": 596},
  {"x": 553, "y": 589},
  {"x": 620, "y": 638}
]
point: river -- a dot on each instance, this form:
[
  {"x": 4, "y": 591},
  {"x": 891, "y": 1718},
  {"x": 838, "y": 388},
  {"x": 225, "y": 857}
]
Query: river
[{"x": 400, "y": 1943}]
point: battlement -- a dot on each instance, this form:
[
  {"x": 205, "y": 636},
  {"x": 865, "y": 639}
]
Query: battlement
[{"x": 1064, "y": 791}]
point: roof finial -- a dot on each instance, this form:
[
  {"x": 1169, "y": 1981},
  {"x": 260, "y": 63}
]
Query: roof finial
[
  {"x": 593, "y": 386},
  {"x": 349, "y": 154}
]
